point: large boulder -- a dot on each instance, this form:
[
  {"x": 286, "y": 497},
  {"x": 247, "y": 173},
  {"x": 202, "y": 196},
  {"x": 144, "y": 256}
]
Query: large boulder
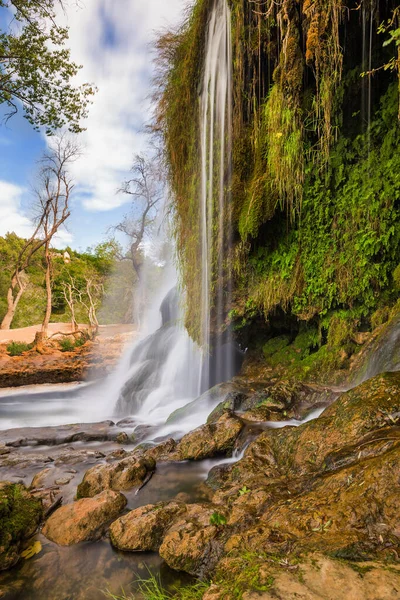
[
  {"x": 210, "y": 440},
  {"x": 20, "y": 515},
  {"x": 143, "y": 529},
  {"x": 83, "y": 520},
  {"x": 192, "y": 544},
  {"x": 121, "y": 475}
]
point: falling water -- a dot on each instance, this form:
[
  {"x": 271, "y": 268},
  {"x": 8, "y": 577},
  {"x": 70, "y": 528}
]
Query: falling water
[
  {"x": 216, "y": 170},
  {"x": 165, "y": 370}
]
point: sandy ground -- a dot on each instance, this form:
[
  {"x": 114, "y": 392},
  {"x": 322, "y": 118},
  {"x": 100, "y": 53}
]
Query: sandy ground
[{"x": 27, "y": 334}]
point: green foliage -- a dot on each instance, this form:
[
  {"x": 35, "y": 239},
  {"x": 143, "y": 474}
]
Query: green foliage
[
  {"x": 67, "y": 344},
  {"x": 151, "y": 588},
  {"x": 396, "y": 277},
  {"x": 36, "y": 68},
  {"x": 275, "y": 345},
  {"x": 218, "y": 519},
  {"x": 343, "y": 252},
  {"x": 17, "y": 348},
  {"x": 112, "y": 283}
]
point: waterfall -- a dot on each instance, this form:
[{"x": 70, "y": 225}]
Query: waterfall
[
  {"x": 215, "y": 213},
  {"x": 165, "y": 370}
]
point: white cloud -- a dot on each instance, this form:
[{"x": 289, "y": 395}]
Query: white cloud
[
  {"x": 12, "y": 218},
  {"x": 112, "y": 41}
]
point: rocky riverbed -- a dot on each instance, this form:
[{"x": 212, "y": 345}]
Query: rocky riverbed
[{"x": 297, "y": 508}]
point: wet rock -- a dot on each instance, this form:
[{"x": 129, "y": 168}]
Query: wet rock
[
  {"x": 122, "y": 475},
  {"x": 210, "y": 440},
  {"x": 207, "y": 401},
  {"x": 218, "y": 476},
  {"x": 231, "y": 403},
  {"x": 285, "y": 400},
  {"x": 123, "y": 438},
  {"x": 20, "y": 514},
  {"x": 143, "y": 529},
  {"x": 64, "y": 480},
  {"x": 162, "y": 451},
  {"x": 63, "y": 434},
  {"x": 39, "y": 479},
  {"x": 192, "y": 543},
  {"x": 83, "y": 520}
]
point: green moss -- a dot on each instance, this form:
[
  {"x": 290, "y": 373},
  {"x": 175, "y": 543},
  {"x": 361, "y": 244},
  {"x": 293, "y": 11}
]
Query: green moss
[
  {"x": 17, "y": 348},
  {"x": 276, "y": 344},
  {"x": 20, "y": 514}
]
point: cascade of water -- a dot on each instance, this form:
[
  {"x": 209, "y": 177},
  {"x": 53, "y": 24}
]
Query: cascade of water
[
  {"x": 165, "y": 370},
  {"x": 216, "y": 169}
]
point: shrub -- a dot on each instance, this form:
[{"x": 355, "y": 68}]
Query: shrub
[
  {"x": 17, "y": 348},
  {"x": 67, "y": 345}
]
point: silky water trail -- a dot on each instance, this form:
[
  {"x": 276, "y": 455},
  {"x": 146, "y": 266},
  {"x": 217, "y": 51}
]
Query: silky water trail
[{"x": 159, "y": 388}]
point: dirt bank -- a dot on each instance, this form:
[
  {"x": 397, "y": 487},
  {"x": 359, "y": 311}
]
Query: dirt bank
[{"x": 91, "y": 361}]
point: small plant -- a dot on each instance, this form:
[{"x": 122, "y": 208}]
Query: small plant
[
  {"x": 217, "y": 519},
  {"x": 245, "y": 490},
  {"x": 17, "y": 348},
  {"x": 66, "y": 345}
]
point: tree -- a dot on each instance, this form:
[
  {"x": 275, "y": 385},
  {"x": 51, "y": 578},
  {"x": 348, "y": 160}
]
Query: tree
[
  {"x": 36, "y": 68},
  {"x": 53, "y": 204},
  {"x": 52, "y": 210},
  {"x": 145, "y": 188}
]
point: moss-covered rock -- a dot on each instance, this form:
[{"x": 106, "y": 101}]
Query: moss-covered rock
[
  {"x": 20, "y": 515},
  {"x": 121, "y": 475}
]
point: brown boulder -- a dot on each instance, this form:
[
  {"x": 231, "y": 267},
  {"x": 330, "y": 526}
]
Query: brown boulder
[
  {"x": 83, "y": 520},
  {"x": 192, "y": 544},
  {"x": 142, "y": 530},
  {"x": 210, "y": 440},
  {"x": 122, "y": 475}
]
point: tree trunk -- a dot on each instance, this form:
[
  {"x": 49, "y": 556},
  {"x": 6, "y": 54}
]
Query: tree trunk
[
  {"x": 12, "y": 303},
  {"x": 46, "y": 321}
]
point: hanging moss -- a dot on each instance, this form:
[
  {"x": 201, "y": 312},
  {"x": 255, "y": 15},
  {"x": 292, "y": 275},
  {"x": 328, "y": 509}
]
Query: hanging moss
[{"x": 315, "y": 205}]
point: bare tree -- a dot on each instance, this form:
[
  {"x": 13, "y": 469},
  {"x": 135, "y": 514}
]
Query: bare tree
[
  {"x": 52, "y": 208},
  {"x": 69, "y": 294},
  {"x": 53, "y": 204},
  {"x": 145, "y": 188}
]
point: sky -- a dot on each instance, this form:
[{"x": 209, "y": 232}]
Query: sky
[{"x": 112, "y": 39}]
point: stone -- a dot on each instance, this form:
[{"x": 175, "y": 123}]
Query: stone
[
  {"x": 192, "y": 543},
  {"x": 39, "y": 479},
  {"x": 123, "y": 438},
  {"x": 232, "y": 402},
  {"x": 162, "y": 451},
  {"x": 62, "y": 434},
  {"x": 20, "y": 514},
  {"x": 325, "y": 579},
  {"x": 143, "y": 529},
  {"x": 83, "y": 520},
  {"x": 210, "y": 440},
  {"x": 121, "y": 475}
]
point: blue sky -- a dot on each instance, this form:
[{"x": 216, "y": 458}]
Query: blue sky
[{"x": 112, "y": 40}]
